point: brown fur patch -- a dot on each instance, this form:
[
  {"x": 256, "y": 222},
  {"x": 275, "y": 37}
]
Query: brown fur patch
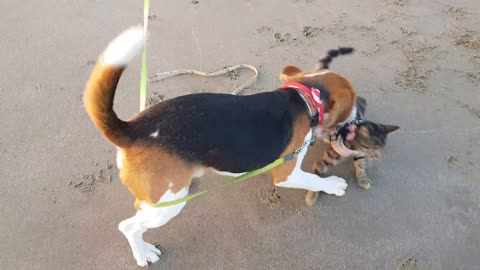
[
  {"x": 98, "y": 101},
  {"x": 148, "y": 173},
  {"x": 288, "y": 72},
  {"x": 300, "y": 129},
  {"x": 342, "y": 94}
]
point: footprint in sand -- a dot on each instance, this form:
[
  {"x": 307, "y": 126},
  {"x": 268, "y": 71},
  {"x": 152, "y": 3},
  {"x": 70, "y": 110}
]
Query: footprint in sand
[
  {"x": 268, "y": 195},
  {"x": 409, "y": 264}
]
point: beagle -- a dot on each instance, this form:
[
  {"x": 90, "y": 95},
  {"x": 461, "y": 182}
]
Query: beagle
[{"x": 163, "y": 147}]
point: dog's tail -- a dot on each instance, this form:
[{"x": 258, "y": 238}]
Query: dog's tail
[
  {"x": 101, "y": 86},
  {"x": 325, "y": 62}
]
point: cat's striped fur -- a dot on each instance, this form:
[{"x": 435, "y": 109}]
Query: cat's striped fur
[{"x": 369, "y": 141}]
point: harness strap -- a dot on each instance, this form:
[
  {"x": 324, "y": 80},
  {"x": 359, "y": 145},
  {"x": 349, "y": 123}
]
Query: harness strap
[
  {"x": 312, "y": 99},
  {"x": 341, "y": 149}
]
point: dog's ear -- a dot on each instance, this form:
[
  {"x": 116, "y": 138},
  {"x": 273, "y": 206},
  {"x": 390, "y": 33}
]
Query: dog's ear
[
  {"x": 340, "y": 107},
  {"x": 288, "y": 73}
]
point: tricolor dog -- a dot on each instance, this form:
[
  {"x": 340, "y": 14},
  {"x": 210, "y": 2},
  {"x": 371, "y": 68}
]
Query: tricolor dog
[{"x": 163, "y": 147}]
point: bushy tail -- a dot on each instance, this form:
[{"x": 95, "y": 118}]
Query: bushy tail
[
  {"x": 325, "y": 62},
  {"x": 101, "y": 86}
]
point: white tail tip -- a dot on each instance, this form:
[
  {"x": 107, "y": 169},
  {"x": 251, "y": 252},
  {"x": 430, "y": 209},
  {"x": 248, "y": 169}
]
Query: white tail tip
[{"x": 124, "y": 47}]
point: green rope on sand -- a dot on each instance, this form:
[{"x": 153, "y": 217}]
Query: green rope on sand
[{"x": 143, "y": 73}]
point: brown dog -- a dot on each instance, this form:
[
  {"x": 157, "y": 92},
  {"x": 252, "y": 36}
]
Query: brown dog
[{"x": 162, "y": 148}]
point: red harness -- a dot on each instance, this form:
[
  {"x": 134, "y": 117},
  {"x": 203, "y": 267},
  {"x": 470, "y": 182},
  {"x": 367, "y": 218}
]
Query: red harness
[{"x": 313, "y": 95}]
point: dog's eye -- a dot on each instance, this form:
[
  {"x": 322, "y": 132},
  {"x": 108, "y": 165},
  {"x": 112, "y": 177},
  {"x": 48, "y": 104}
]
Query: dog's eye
[{"x": 366, "y": 147}]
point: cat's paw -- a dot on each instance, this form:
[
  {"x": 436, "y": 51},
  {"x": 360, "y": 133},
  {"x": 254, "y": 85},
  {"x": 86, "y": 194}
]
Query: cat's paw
[
  {"x": 311, "y": 198},
  {"x": 364, "y": 183}
]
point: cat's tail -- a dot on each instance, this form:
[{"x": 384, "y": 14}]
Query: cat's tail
[
  {"x": 361, "y": 104},
  {"x": 101, "y": 86},
  {"x": 325, "y": 62}
]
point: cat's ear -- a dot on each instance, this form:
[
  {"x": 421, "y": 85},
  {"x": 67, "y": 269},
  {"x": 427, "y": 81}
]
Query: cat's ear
[{"x": 390, "y": 128}]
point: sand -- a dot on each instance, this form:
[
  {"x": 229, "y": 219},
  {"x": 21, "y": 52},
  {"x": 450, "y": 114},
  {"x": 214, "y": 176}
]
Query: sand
[{"x": 417, "y": 63}]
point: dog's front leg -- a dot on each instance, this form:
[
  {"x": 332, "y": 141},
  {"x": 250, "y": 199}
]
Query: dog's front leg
[
  {"x": 291, "y": 175},
  {"x": 300, "y": 179}
]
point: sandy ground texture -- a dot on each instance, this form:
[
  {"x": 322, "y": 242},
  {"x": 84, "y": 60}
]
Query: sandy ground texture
[{"x": 417, "y": 63}]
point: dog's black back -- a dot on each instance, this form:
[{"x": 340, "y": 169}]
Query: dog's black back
[{"x": 226, "y": 132}]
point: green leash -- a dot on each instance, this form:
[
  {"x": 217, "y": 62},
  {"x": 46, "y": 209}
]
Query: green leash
[
  {"x": 242, "y": 177},
  {"x": 143, "y": 74}
]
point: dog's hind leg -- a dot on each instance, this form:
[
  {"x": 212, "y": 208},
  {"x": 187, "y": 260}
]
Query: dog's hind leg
[
  {"x": 149, "y": 217},
  {"x": 152, "y": 175}
]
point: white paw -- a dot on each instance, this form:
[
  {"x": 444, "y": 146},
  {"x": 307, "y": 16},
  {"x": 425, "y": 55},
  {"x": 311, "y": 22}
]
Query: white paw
[
  {"x": 147, "y": 253},
  {"x": 335, "y": 185}
]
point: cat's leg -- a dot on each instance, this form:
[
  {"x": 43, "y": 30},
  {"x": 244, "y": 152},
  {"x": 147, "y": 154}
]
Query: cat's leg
[
  {"x": 320, "y": 167},
  {"x": 361, "y": 171}
]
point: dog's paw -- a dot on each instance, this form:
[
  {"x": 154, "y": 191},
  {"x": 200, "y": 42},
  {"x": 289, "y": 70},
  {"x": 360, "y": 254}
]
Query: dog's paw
[
  {"x": 147, "y": 253},
  {"x": 364, "y": 183},
  {"x": 335, "y": 185}
]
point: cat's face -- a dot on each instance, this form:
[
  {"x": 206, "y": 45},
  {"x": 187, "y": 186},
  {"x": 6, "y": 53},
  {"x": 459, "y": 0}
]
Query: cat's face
[{"x": 371, "y": 138}]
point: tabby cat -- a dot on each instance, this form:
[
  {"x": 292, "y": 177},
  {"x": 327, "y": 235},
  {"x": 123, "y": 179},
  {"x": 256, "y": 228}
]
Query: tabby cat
[{"x": 360, "y": 139}]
